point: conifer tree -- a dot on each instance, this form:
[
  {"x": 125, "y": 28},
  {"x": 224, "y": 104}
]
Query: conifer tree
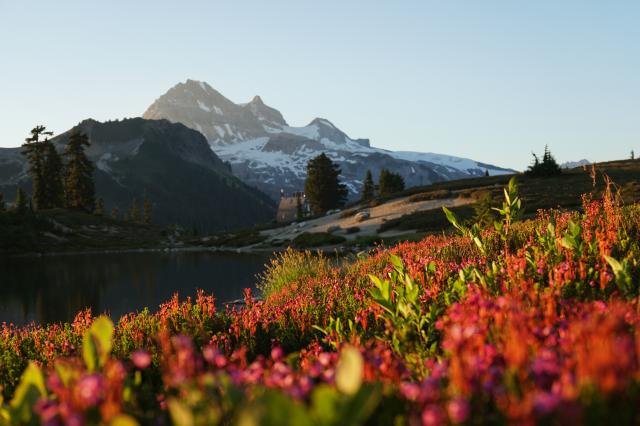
[
  {"x": 368, "y": 188},
  {"x": 21, "y": 201},
  {"x": 52, "y": 175},
  {"x": 323, "y": 188},
  {"x": 147, "y": 209},
  {"x": 79, "y": 186},
  {"x": 134, "y": 211},
  {"x": 33, "y": 149},
  {"x": 2, "y": 207},
  {"x": 390, "y": 183},
  {"x": 547, "y": 167}
]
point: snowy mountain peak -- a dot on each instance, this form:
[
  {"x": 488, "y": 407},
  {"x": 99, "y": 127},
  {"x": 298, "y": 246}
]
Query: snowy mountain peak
[{"x": 264, "y": 151}]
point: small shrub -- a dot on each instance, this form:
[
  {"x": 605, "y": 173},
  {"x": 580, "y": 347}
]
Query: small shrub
[
  {"x": 290, "y": 266},
  {"x": 317, "y": 239},
  {"x": 438, "y": 194}
]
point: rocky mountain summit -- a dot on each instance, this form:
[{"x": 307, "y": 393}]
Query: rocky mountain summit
[{"x": 266, "y": 152}]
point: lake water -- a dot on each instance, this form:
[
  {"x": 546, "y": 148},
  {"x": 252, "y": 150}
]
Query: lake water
[{"x": 54, "y": 288}]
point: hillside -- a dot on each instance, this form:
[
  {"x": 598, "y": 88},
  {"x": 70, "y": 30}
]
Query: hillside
[
  {"x": 185, "y": 181},
  {"x": 268, "y": 153},
  {"x": 418, "y": 211},
  {"x": 531, "y": 322},
  {"x": 58, "y": 230}
]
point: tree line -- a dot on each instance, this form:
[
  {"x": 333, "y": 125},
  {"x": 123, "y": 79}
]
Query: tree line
[
  {"x": 67, "y": 180},
  {"x": 324, "y": 191}
]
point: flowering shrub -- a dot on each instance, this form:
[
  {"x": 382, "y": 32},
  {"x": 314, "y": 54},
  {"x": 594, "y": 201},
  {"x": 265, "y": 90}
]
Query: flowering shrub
[{"x": 532, "y": 322}]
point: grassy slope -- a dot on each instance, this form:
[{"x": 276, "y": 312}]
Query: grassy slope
[
  {"x": 63, "y": 230},
  {"x": 564, "y": 191}
]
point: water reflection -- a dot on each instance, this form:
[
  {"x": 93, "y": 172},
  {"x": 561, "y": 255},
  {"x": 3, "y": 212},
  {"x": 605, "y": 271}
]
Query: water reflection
[{"x": 52, "y": 289}]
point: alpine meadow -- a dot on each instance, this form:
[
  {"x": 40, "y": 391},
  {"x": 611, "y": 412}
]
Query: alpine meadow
[{"x": 170, "y": 255}]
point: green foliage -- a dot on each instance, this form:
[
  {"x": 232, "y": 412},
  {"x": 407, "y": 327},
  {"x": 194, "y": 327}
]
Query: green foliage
[
  {"x": 28, "y": 392},
  {"x": 21, "y": 202},
  {"x": 482, "y": 209},
  {"x": 45, "y": 168},
  {"x": 323, "y": 188},
  {"x": 97, "y": 343},
  {"x": 390, "y": 183},
  {"x": 410, "y": 330},
  {"x": 291, "y": 266},
  {"x": 317, "y": 239},
  {"x": 79, "y": 186},
  {"x": 368, "y": 188},
  {"x": 511, "y": 209},
  {"x": 545, "y": 168}
]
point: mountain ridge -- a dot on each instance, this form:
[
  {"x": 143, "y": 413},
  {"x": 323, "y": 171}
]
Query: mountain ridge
[
  {"x": 271, "y": 155},
  {"x": 172, "y": 163}
]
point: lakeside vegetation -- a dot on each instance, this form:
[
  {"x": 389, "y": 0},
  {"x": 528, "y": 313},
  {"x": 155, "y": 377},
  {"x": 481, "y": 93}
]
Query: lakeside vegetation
[{"x": 524, "y": 322}]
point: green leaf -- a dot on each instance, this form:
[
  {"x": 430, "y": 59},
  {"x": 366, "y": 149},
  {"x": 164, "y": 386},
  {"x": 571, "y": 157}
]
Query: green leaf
[
  {"x": 123, "y": 420},
  {"x": 615, "y": 265},
  {"x": 397, "y": 263},
  {"x": 350, "y": 370},
  {"x": 97, "y": 343},
  {"x": 28, "y": 392},
  {"x": 181, "y": 415},
  {"x": 324, "y": 404}
]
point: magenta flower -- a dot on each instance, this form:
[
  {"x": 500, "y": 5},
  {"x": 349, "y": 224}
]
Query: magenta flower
[
  {"x": 88, "y": 390},
  {"x": 458, "y": 409},
  {"x": 141, "y": 359},
  {"x": 432, "y": 415}
]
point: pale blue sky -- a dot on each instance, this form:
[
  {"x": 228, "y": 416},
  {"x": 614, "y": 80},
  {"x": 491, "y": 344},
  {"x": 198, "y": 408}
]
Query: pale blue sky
[{"x": 489, "y": 80}]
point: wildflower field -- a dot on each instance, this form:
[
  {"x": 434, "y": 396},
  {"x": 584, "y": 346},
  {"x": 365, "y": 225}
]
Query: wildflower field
[{"x": 525, "y": 322}]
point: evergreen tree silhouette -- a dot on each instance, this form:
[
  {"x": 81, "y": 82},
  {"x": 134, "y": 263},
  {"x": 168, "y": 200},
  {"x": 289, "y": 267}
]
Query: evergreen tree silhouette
[
  {"x": 33, "y": 149},
  {"x": 545, "y": 168},
  {"x": 79, "y": 186},
  {"x": 390, "y": 183},
  {"x": 323, "y": 188},
  {"x": 368, "y": 188},
  {"x": 21, "y": 201}
]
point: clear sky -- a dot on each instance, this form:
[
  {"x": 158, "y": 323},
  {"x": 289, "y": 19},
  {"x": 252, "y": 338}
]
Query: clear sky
[{"x": 488, "y": 80}]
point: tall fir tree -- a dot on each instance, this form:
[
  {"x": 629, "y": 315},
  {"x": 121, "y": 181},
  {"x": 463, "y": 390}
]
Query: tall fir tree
[
  {"x": 390, "y": 183},
  {"x": 368, "y": 188},
  {"x": 547, "y": 167},
  {"x": 52, "y": 173},
  {"x": 147, "y": 213},
  {"x": 79, "y": 186},
  {"x": 33, "y": 149},
  {"x": 2, "y": 206},
  {"x": 20, "y": 204},
  {"x": 323, "y": 188}
]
